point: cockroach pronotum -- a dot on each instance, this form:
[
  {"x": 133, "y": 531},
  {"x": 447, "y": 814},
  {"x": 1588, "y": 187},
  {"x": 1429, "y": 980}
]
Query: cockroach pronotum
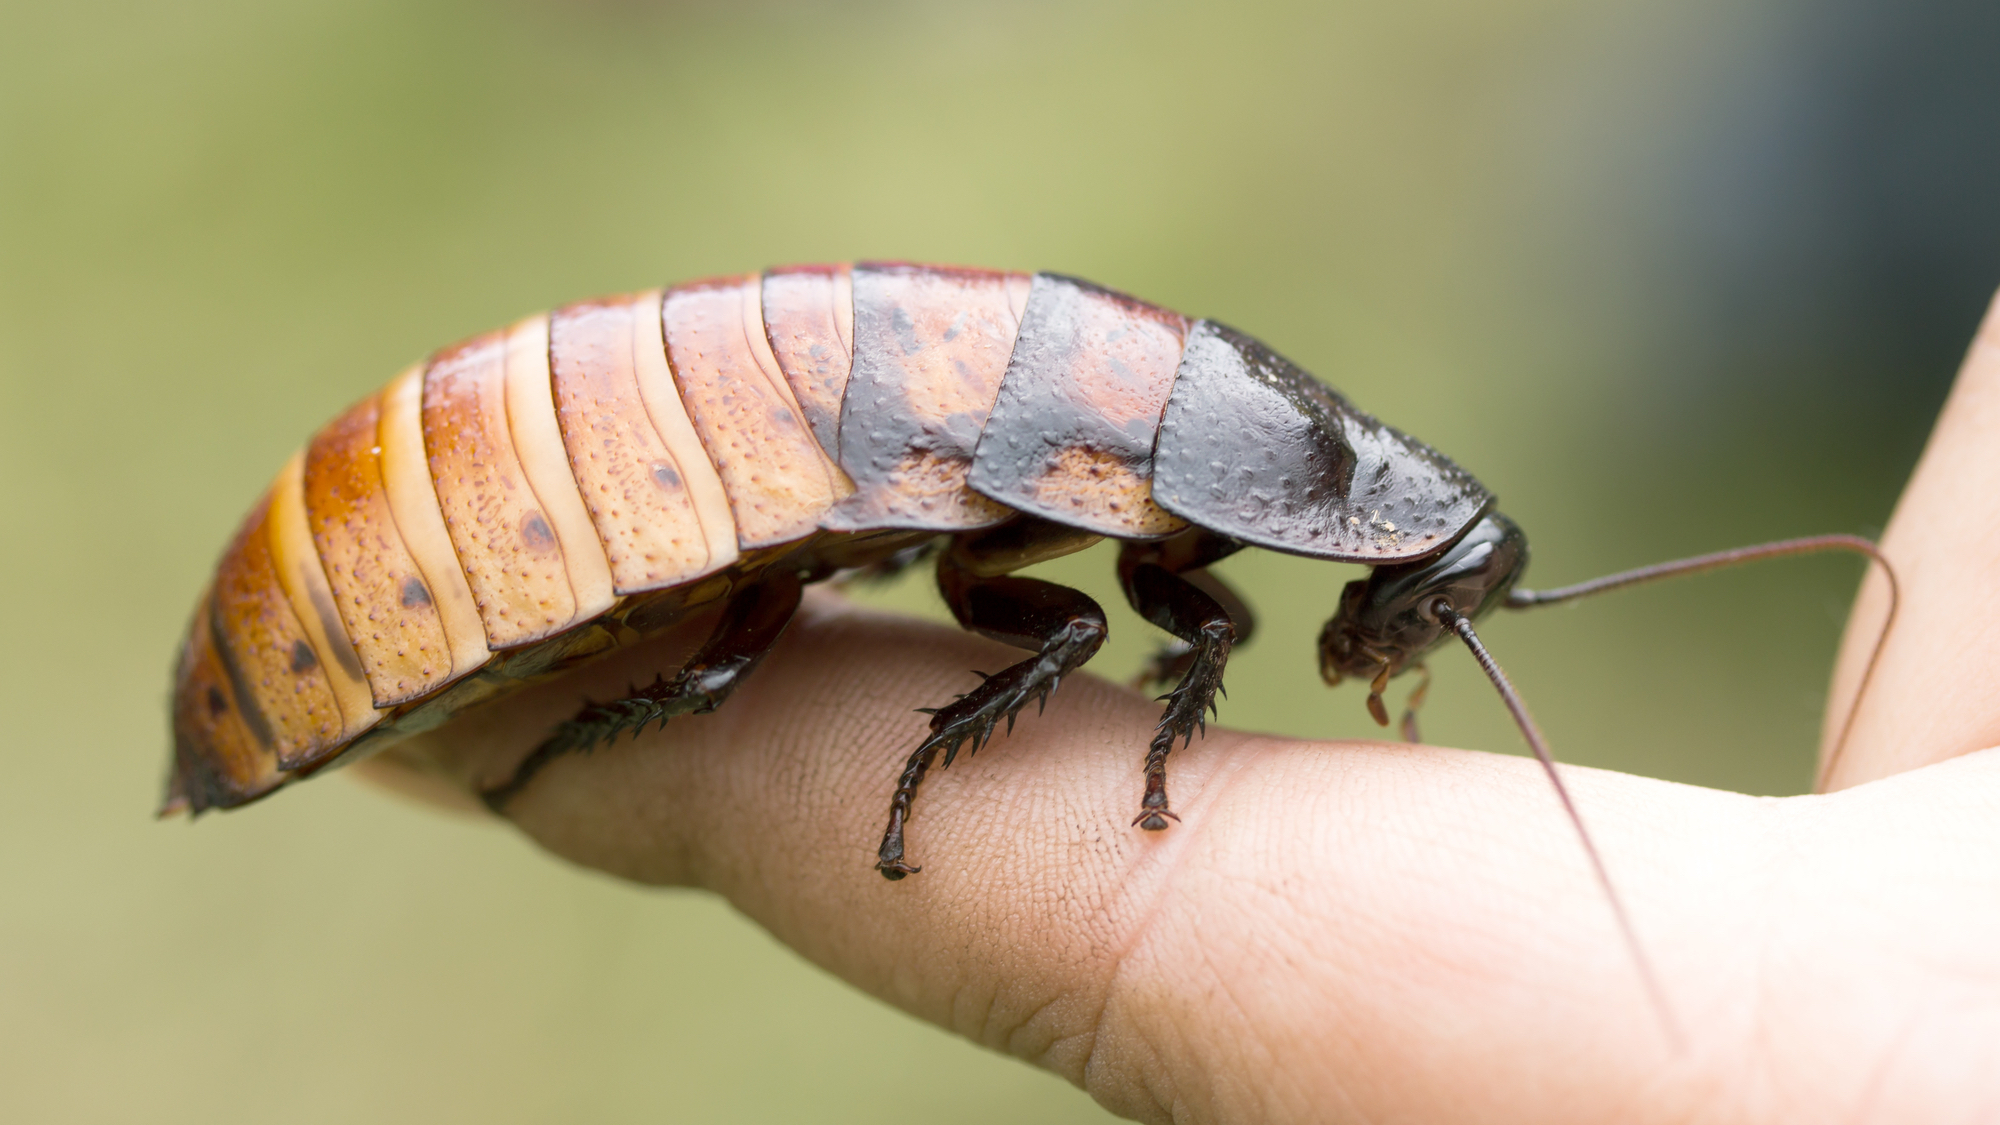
[{"x": 536, "y": 497}]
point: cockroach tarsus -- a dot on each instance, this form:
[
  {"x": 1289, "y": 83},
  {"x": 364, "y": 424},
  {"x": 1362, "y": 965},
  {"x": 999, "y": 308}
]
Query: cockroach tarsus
[{"x": 532, "y": 499}]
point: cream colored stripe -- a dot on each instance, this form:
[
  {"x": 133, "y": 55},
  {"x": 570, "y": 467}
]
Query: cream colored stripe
[
  {"x": 406, "y": 478},
  {"x": 670, "y": 419},
  {"x": 304, "y": 579},
  {"x": 531, "y": 419},
  {"x": 767, "y": 362},
  {"x": 843, "y": 308}
]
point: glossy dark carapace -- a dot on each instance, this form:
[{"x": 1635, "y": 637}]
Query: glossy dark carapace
[{"x": 533, "y": 498}]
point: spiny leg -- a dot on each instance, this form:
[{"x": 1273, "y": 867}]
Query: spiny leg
[
  {"x": 1064, "y": 628},
  {"x": 1208, "y": 618},
  {"x": 1172, "y": 661},
  {"x": 750, "y": 625}
]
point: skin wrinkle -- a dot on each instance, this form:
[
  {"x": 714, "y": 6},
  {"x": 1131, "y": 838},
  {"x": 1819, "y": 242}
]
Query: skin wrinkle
[
  {"x": 1772, "y": 822},
  {"x": 1019, "y": 1050},
  {"x": 1252, "y": 1039},
  {"x": 1238, "y": 759},
  {"x": 1878, "y": 1077},
  {"x": 1244, "y": 766},
  {"x": 1795, "y": 823},
  {"x": 1786, "y": 828},
  {"x": 1139, "y": 1060}
]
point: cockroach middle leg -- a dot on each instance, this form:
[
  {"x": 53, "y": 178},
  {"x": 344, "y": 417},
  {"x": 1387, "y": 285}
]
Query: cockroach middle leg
[
  {"x": 1162, "y": 583},
  {"x": 1185, "y": 554},
  {"x": 1063, "y": 627},
  {"x": 750, "y": 625}
]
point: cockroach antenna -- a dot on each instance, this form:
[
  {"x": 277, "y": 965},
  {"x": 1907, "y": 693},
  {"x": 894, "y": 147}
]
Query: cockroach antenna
[
  {"x": 1783, "y": 548},
  {"x": 1388, "y": 621},
  {"x": 1462, "y": 625},
  {"x": 1525, "y": 599},
  {"x": 1219, "y": 443}
]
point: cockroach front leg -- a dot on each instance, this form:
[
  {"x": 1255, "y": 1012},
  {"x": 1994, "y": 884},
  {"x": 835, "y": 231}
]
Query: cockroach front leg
[
  {"x": 1064, "y": 628},
  {"x": 1193, "y": 608},
  {"x": 750, "y": 625}
]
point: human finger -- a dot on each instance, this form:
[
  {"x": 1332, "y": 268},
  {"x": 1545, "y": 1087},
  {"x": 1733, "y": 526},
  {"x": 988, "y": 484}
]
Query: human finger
[
  {"x": 1334, "y": 930},
  {"x": 1929, "y": 697}
]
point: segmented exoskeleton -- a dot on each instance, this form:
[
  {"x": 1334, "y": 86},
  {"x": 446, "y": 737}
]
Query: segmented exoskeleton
[{"x": 536, "y": 497}]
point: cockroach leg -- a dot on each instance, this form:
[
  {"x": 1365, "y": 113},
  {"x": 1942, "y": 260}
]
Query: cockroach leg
[
  {"x": 1187, "y": 710},
  {"x": 1171, "y": 663},
  {"x": 1415, "y": 701},
  {"x": 750, "y": 625},
  {"x": 1783, "y": 548},
  {"x": 1064, "y": 628},
  {"x": 1209, "y": 620},
  {"x": 1441, "y": 610},
  {"x": 1378, "y": 710}
]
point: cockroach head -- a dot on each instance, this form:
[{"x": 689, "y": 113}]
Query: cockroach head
[{"x": 1389, "y": 619}]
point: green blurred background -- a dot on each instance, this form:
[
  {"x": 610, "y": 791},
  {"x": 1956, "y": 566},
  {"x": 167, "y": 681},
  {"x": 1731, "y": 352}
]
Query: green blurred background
[{"x": 1668, "y": 276}]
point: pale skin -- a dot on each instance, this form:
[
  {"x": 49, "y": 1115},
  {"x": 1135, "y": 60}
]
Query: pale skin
[{"x": 1362, "y": 932}]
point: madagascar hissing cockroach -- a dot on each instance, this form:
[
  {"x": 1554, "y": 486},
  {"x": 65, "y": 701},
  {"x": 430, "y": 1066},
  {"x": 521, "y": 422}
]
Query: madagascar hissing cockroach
[{"x": 533, "y": 498}]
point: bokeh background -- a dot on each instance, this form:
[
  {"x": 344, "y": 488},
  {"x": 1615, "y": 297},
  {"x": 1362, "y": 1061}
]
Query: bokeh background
[{"x": 1669, "y": 275}]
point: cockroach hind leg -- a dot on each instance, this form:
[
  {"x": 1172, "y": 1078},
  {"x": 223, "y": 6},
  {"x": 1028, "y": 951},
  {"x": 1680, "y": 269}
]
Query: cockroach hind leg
[
  {"x": 751, "y": 623},
  {"x": 695, "y": 691}
]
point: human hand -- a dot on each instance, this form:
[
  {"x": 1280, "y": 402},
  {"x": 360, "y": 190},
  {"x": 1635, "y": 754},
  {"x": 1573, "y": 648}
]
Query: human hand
[{"x": 1359, "y": 931}]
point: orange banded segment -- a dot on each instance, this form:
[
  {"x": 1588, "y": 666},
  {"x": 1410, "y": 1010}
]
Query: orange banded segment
[
  {"x": 809, "y": 321},
  {"x": 670, "y": 420},
  {"x": 218, "y": 761},
  {"x": 506, "y": 547},
  {"x": 1071, "y": 436},
  {"x": 930, "y": 347},
  {"x": 282, "y": 692},
  {"x": 406, "y": 482},
  {"x": 304, "y": 580},
  {"x": 632, "y": 484},
  {"x": 778, "y": 480},
  {"x": 384, "y": 602},
  {"x": 531, "y": 421}
]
